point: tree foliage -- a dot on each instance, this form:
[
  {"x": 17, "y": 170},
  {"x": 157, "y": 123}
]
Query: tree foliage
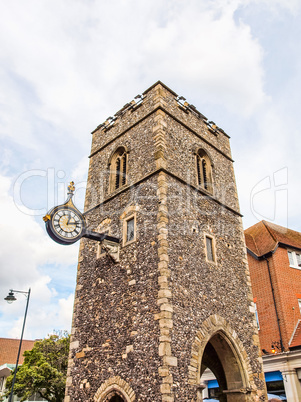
[{"x": 44, "y": 370}]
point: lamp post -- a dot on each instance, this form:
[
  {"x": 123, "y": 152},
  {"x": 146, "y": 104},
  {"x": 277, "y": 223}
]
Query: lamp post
[{"x": 11, "y": 298}]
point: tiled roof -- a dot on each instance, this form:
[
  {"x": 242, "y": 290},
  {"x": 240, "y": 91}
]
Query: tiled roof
[
  {"x": 264, "y": 237},
  {"x": 296, "y": 338},
  {"x": 9, "y": 350}
]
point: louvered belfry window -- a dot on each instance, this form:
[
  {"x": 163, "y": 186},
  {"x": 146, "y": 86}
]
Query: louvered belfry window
[
  {"x": 204, "y": 171},
  {"x": 118, "y": 169}
]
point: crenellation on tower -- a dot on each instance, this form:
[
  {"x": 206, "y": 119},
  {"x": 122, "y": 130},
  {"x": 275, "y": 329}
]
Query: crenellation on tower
[
  {"x": 156, "y": 97},
  {"x": 190, "y": 131}
]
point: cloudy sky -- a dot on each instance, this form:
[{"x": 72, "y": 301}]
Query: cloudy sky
[{"x": 68, "y": 65}]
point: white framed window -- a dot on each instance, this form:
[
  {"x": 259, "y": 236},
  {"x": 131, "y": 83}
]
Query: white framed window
[
  {"x": 294, "y": 259},
  {"x": 210, "y": 248},
  {"x": 129, "y": 229}
]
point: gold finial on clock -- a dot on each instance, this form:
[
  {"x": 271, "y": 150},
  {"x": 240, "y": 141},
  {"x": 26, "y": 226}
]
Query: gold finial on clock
[{"x": 71, "y": 187}]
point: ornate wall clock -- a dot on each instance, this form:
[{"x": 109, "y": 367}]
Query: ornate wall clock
[{"x": 65, "y": 224}]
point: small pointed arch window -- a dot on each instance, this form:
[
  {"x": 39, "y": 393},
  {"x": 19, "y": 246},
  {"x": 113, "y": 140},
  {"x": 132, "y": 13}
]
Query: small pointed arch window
[
  {"x": 116, "y": 398},
  {"x": 118, "y": 169},
  {"x": 204, "y": 170}
]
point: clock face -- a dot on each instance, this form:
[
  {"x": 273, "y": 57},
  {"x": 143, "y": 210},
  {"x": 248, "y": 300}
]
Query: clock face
[{"x": 66, "y": 225}]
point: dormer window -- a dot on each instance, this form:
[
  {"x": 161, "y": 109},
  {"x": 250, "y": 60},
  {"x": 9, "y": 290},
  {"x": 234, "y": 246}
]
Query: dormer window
[
  {"x": 204, "y": 171},
  {"x": 118, "y": 169}
]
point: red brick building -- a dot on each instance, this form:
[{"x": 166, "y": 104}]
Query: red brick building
[
  {"x": 9, "y": 350},
  {"x": 8, "y": 357},
  {"x": 274, "y": 256}
]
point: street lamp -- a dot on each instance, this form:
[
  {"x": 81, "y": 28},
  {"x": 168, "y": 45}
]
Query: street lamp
[{"x": 11, "y": 298}]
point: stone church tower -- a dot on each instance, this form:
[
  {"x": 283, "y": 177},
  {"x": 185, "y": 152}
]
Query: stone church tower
[{"x": 176, "y": 297}]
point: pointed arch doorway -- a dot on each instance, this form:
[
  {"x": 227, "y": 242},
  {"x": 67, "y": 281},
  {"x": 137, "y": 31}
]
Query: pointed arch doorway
[
  {"x": 114, "y": 389},
  {"x": 218, "y": 348},
  {"x": 116, "y": 398},
  {"x": 221, "y": 358}
]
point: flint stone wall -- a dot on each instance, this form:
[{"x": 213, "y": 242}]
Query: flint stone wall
[{"x": 137, "y": 320}]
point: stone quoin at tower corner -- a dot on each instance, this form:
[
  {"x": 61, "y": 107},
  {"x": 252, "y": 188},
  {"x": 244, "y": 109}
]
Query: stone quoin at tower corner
[{"x": 177, "y": 300}]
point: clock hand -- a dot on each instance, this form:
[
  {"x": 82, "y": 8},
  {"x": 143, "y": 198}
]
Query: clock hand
[
  {"x": 74, "y": 223},
  {"x": 69, "y": 217}
]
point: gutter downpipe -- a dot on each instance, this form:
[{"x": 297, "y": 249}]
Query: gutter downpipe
[{"x": 276, "y": 311}]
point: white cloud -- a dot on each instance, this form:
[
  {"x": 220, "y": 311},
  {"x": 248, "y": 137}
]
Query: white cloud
[
  {"x": 65, "y": 313},
  {"x": 25, "y": 256},
  {"x": 211, "y": 53},
  {"x": 75, "y": 66},
  {"x": 42, "y": 319},
  {"x": 267, "y": 169},
  {"x": 79, "y": 176},
  {"x": 66, "y": 66}
]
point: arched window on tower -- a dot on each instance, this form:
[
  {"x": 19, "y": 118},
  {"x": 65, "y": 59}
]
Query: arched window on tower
[
  {"x": 118, "y": 169},
  {"x": 204, "y": 171}
]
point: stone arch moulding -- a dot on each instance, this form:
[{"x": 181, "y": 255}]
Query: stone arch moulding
[
  {"x": 197, "y": 148},
  {"x": 115, "y": 150},
  {"x": 114, "y": 385},
  {"x": 212, "y": 326},
  {"x": 118, "y": 168},
  {"x": 204, "y": 170}
]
